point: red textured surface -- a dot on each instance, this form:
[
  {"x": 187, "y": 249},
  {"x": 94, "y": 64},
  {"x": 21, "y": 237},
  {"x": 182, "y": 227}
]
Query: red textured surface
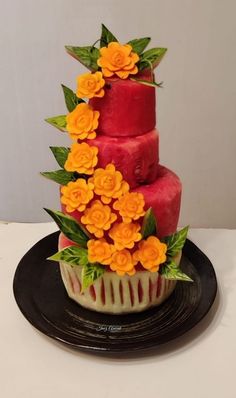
[
  {"x": 127, "y": 108},
  {"x": 121, "y": 293},
  {"x": 136, "y": 158},
  {"x": 92, "y": 292},
  {"x": 63, "y": 242},
  {"x": 164, "y": 196},
  {"x": 140, "y": 291},
  {"x": 131, "y": 293}
]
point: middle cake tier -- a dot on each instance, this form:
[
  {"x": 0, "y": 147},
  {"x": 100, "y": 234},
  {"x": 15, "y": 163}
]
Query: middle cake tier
[{"x": 136, "y": 158}]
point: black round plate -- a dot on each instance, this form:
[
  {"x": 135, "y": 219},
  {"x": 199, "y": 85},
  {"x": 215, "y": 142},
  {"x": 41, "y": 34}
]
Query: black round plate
[{"x": 42, "y": 298}]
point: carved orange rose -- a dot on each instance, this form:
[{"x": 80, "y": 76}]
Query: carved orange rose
[
  {"x": 82, "y": 158},
  {"x": 123, "y": 263},
  {"x": 99, "y": 251},
  {"x": 130, "y": 206},
  {"x": 125, "y": 235},
  {"x": 90, "y": 85},
  {"x": 76, "y": 195},
  {"x": 109, "y": 183},
  {"x": 98, "y": 218},
  {"x": 82, "y": 122},
  {"x": 151, "y": 253},
  {"x": 118, "y": 59}
]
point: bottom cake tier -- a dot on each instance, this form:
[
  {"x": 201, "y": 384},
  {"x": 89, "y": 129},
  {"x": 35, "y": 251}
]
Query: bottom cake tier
[{"x": 116, "y": 294}]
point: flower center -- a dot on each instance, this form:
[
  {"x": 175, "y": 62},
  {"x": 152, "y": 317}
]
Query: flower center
[
  {"x": 122, "y": 259},
  {"x": 127, "y": 232},
  {"x": 118, "y": 58},
  {"x": 108, "y": 182},
  {"x": 131, "y": 206},
  {"x": 100, "y": 251},
  {"x": 151, "y": 253},
  {"x": 82, "y": 157},
  {"x": 97, "y": 216},
  {"x": 91, "y": 84},
  {"x": 82, "y": 120},
  {"x": 78, "y": 195}
]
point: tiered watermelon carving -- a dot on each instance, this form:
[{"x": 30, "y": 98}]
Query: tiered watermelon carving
[
  {"x": 120, "y": 207},
  {"x": 128, "y": 110}
]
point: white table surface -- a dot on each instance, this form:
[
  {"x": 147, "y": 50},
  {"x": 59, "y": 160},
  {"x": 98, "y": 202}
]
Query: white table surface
[{"x": 200, "y": 364}]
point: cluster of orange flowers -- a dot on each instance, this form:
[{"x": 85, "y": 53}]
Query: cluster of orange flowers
[{"x": 105, "y": 191}]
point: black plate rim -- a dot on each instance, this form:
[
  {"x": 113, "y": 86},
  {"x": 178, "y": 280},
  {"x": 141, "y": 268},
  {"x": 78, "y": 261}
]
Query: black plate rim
[{"x": 190, "y": 250}]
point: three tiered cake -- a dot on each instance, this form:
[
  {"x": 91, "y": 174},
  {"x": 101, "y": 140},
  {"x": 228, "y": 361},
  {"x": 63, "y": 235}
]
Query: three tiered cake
[{"x": 119, "y": 248}]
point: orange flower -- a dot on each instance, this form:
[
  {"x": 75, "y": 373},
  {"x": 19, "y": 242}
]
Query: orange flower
[
  {"x": 125, "y": 235},
  {"x": 109, "y": 183},
  {"x": 130, "y": 206},
  {"x": 98, "y": 218},
  {"x": 118, "y": 59},
  {"x": 76, "y": 195},
  {"x": 99, "y": 251},
  {"x": 122, "y": 262},
  {"x": 90, "y": 85},
  {"x": 82, "y": 122},
  {"x": 82, "y": 158},
  {"x": 151, "y": 253}
]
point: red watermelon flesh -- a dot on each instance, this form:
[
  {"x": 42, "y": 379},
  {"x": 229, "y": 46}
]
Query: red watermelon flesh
[
  {"x": 164, "y": 196},
  {"x": 136, "y": 158},
  {"x": 127, "y": 109},
  {"x": 64, "y": 242}
]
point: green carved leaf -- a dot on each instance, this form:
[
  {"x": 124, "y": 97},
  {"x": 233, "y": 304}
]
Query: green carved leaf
[
  {"x": 58, "y": 121},
  {"x": 173, "y": 272},
  {"x": 139, "y": 45},
  {"x": 70, "y": 227},
  {"x": 71, "y": 99},
  {"x": 151, "y": 58},
  {"x": 106, "y": 37},
  {"x": 61, "y": 177},
  {"x": 149, "y": 226},
  {"x": 61, "y": 154},
  {"x": 87, "y": 56},
  {"x": 90, "y": 273},
  {"x": 72, "y": 255},
  {"x": 147, "y": 83},
  {"x": 176, "y": 242}
]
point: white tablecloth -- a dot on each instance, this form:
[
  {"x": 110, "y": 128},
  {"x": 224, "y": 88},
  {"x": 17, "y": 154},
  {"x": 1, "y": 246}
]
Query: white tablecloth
[{"x": 200, "y": 364}]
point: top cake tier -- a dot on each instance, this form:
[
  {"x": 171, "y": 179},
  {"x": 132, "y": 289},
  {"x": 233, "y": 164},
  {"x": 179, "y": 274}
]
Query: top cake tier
[{"x": 128, "y": 108}]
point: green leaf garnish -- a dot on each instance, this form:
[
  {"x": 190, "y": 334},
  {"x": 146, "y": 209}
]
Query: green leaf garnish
[
  {"x": 70, "y": 227},
  {"x": 146, "y": 82},
  {"x": 71, "y": 98},
  {"x": 90, "y": 273},
  {"x": 58, "y": 121},
  {"x": 151, "y": 57},
  {"x": 139, "y": 45},
  {"x": 87, "y": 56},
  {"x": 149, "y": 226},
  {"x": 106, "y": 37},
  {"x": 59, "y": 176},
  {"x": 72, "y": 255},
  {"x": 176, "y": 242},
  {"x": 171, "y": 271},
  {"x": 61, "y": 154}
]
